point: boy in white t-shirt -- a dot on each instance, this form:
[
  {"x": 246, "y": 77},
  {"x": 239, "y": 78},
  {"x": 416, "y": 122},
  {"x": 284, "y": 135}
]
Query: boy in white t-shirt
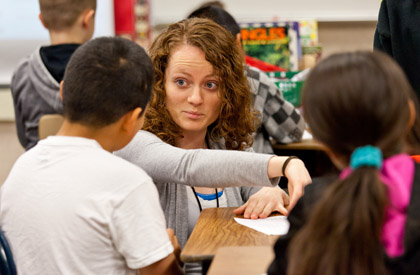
[{"x": 69, "y": 206}]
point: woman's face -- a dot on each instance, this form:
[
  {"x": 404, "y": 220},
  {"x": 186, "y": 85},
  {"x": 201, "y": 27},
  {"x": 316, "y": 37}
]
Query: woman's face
[{"x": 192, "y": 90}]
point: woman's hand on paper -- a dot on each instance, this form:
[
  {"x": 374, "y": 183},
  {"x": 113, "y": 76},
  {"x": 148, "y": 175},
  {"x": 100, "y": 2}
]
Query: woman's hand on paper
[{"x": 263, "y": 203}]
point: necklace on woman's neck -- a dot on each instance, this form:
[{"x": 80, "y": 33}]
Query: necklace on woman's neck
[
  {"x": 198, "y": 200},
  {"x": 205, "y": 146}
]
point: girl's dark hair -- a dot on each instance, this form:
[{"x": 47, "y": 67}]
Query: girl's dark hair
[{"x": 351, "y": 100}]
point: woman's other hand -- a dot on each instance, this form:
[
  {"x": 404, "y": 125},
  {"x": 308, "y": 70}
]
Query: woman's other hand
[{"x": 296, "y": 174}]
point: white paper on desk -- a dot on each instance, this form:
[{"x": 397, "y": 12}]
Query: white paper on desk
[
  {"x": 276, "y": 225},
  {"x": 306, "y": 135}
]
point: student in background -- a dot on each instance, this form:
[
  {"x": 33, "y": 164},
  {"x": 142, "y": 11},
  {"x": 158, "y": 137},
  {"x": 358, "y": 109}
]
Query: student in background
[
  {"x": 218, "y": 4},
  {"x": 280, "y": 119},
  {"x": 68, "y": 205},
  {"x": 201, "y": 101},
  {"x": 397, "y": 34},
  {"x": 367, "y": 221},
  {"x": 35, "y": 83}
]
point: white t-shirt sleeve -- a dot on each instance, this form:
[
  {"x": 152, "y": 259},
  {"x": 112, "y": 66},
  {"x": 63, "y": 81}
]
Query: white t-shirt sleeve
[{"x": 138, "y": 228}]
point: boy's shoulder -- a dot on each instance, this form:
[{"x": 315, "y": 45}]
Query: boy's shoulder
[
  {"x": 83, "y": 156},
  {"x": 71, "y": 166},
  {"x": 128, "y": 168},
  {"x": 99, "y": 159}
]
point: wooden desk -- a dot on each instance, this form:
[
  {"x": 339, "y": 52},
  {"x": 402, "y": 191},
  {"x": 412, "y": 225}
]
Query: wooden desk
[
  {"x": 306, "y": 144},
  {"x": 241, "y": 260},
  {"x": 216, "y": 228}
]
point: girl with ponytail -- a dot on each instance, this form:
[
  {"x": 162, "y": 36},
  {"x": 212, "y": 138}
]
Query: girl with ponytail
[{"x": 359, "y": 105}]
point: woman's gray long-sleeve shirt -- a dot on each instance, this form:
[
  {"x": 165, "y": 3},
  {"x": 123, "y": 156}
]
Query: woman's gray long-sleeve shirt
[{"x": 172, "y": 169}]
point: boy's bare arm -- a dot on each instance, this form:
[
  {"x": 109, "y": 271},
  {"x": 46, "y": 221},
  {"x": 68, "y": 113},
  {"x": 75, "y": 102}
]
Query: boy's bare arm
[
  {"x": 168, "y": 265},
  {"x": 175, "y": 244}
]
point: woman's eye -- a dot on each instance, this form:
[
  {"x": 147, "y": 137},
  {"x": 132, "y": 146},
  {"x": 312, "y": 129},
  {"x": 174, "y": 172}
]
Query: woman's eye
[
  {"x": 181, "y": 82},
  {"x": 211, "y": 85}
]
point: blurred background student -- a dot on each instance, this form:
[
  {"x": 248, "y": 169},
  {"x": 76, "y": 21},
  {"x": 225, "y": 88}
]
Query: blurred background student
[
  {"x": 397, "y": 35},
  {"x": 36, "y": 82}
]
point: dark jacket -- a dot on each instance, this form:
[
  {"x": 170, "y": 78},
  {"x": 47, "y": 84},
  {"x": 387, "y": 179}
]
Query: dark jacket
[
  {"x": 406, "y": 264},
  {"x": 397, "y": 34}
]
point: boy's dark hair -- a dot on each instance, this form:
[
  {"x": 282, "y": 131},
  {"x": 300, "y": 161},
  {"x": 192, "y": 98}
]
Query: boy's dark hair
[
  {"x": 59, "y": 15},
  {"x": 218, "y": 15},
  {"x": 104, "y": 79}
]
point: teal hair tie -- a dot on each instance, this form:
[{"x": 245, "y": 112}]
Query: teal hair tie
[{"x": 366, "y": 156}]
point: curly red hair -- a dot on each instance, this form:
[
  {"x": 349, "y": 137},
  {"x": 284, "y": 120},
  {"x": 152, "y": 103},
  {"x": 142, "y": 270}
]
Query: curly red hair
[{"x": 237, "y": 120}]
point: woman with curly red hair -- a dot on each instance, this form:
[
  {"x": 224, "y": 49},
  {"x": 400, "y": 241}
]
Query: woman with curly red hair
[{"x": 201, "y": 100}]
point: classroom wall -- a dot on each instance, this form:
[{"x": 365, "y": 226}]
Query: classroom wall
[
  {"x": 6, "y": 105},
  {"x": 346, "y": 36},
  {"x": 166, "y": 12}
]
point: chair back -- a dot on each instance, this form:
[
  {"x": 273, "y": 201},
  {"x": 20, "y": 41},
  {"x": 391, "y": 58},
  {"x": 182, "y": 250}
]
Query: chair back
[
  {"x": 7, "y": 265},
  {"x": 49, "y": 125}
]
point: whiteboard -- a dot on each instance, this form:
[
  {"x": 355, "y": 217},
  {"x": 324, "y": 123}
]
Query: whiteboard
[
  {"x": 169, "y": 11},
  {"x": 21, "y": 32}
]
